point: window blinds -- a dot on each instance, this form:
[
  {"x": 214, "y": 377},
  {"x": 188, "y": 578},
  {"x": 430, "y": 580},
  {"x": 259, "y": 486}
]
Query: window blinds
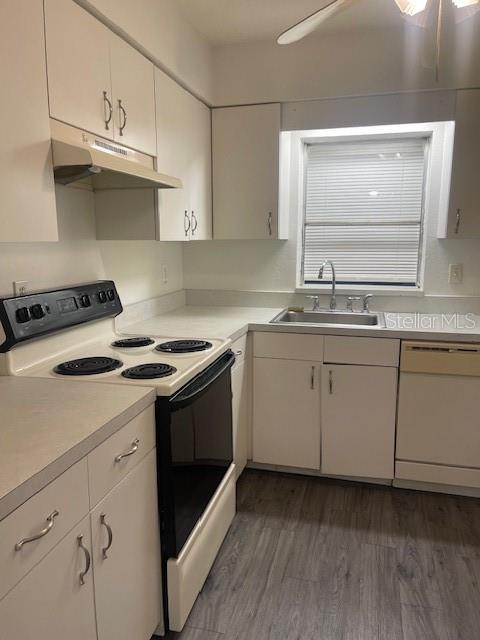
[{"x": 363, "y": 209}]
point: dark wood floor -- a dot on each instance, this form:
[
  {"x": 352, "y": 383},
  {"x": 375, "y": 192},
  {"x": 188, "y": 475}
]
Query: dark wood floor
[{"x": 313, "y": 559}]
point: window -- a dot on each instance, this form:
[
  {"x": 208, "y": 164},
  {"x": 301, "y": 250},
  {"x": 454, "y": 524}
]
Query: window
[{"x": 363, "y": 209}]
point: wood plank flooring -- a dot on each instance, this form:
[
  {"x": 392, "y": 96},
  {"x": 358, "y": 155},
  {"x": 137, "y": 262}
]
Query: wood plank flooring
[{"x": 313, "y": 559}]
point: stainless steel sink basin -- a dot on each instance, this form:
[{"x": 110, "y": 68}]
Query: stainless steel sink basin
[{"x": 346, "y": 318}]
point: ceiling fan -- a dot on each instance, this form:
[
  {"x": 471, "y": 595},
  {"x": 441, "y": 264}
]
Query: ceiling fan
[
  {"x": 407, "y": 7},
  {"x": 313, "y": 21}
]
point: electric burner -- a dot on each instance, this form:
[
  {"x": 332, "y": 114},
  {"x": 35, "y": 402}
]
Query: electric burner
[
  {"x": 130, "y": 343},
  {"x": 87, "y": 366},
  {"x": 183, "y": 346},
  {"x": 150, "y": 370}
]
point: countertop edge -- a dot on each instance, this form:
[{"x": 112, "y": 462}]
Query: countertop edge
[
  {"x": 373, "y": 332},
  {"x": 15, "y": 498}
]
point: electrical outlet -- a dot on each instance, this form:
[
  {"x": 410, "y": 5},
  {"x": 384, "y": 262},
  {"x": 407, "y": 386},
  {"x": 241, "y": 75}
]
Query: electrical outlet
[
  {"x": 164, "y": 274},
  {"x": 455, "y": 273},
  {"x": 20, "y": 287}
]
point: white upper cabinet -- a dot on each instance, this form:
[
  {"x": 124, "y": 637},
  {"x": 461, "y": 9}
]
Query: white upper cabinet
[
  {"x": 183, "y": 150},
  {"x": 78, "y": 65},
  {"x": 28, "y": 211},
  {"x": 134, "y": 97},
  {"x": 96, "y": 81},
  {"x": 246, "y": 146},
  {"x": 464, "y": 209}
]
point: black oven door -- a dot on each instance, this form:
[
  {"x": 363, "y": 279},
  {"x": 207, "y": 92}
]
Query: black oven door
[{"x": 195, "y": 450}]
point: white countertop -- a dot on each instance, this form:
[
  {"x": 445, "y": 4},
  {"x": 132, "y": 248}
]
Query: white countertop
[
  {"x": 232, "y": 322},
  {"x": 46, "y": 426}
]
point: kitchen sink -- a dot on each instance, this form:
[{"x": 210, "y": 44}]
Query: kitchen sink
[{"x": 343, "y": 318}]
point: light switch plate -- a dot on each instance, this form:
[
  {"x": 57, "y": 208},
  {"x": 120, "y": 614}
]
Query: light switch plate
[{"x": 455, "y": 273}]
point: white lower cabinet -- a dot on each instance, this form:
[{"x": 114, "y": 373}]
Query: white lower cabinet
[
  {"x": 286, "y": 412},
  {"x": 240, "y": 415},
  {"x": 50, "y": 602},
  {"x": 126, "y": 556},
  {"x": 102, "y": 578},
  {"x": 358, "y": 420}
]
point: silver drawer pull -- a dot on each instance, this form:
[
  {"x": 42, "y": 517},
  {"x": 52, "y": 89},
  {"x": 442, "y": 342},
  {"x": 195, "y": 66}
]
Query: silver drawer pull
[
  {"x": 88, "y": 560},
  {"x": 109, "y": 533},
  {"x": 40, "y": 534},
  {"x": 130, "y": 452},
  {"x": 239, "y": 352}
]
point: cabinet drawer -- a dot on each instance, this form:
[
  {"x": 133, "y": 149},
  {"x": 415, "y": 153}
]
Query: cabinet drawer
[
  {"x": 68, "y": 495},
  {"x": 239, "y": 348},
  {"x": 383, "y": 352},
  {"x": 288, "y": 346},
  {"x": 105, "y": 470}
]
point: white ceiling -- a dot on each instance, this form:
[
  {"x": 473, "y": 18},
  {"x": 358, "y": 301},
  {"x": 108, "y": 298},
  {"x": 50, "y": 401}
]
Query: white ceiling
[{"x": 233, "y": 21}]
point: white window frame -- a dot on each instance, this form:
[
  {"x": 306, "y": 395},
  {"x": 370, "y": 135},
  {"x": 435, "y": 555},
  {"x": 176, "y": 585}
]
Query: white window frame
[{"x": 436, "y": 178}]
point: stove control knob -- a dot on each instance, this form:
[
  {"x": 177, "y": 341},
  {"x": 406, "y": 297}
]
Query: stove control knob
[
  {"x": 85, "y": 300},
  {"x": 111, "y": 294},
  {"x": 102, "y": 296},
  {"x": 37, "y": 311},
  {"x": 22, "y": 314}
]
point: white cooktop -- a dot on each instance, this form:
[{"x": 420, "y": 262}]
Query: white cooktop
[{"x": 187, "y": 365}]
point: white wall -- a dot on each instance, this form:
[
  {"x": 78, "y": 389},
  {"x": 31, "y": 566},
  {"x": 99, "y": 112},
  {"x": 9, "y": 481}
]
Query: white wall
[
  {"x": 79, "y": 257},
  {"x": 351, "y": 62},
  {"x": 271, "y": 265},
  {"x": 157, "y": 28},
  {"x": 136, "y": 267}
]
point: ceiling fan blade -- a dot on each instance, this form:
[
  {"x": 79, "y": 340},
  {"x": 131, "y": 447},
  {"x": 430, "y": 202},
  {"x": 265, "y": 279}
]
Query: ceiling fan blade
[
  {"x": 312, "y": 22},
  {"x": 411, "y": 7}
]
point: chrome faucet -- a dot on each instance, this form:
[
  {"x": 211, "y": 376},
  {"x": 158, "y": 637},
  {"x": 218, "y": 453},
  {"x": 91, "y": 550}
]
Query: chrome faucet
[{"x": 333, "y": 299}]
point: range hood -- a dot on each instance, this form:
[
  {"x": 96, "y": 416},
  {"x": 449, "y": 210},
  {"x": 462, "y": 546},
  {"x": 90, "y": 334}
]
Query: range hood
[{"x": 79, "y": 156}]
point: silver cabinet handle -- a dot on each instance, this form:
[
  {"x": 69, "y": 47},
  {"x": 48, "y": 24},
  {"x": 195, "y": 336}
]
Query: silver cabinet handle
[
  {"x": 109, "y": 111},
  {"x": 88, "y": 560},
  {"x": 40, "y": 534},
  {"x": 109, "y": 533},
  {"x": 458, "y": 219},
  {"x": 330, "y": 382},
  {"x": 239, "y": 352},
  {"x": 186, "y": 224},
  {"x": 194, "y": 223},
  {"x": 269, "y": 223},
  {"x": 124, "y": 113},
  {"x": 312, "y": 378},
  {"x": 130, "y": 452}
]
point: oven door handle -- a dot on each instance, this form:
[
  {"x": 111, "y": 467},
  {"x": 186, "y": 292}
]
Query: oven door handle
[{"x": 196, "y": 387}]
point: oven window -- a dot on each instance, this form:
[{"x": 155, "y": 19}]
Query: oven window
[{"x": 201, "y": 453}]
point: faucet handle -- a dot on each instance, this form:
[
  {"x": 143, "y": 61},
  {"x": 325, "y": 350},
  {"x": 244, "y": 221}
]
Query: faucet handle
[
  {"x": 316, "y": 302},
  {"x": 366, "y": 301}
]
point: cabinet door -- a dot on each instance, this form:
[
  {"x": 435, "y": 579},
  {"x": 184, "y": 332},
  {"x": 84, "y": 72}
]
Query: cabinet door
[
  {"x": 240, "y": 416},
  {"x": 28, "y": 211},
  {"x": 78, "y": 66},
  {"x": 464, "y": 211},
  {"x": 50, "y": 602},
  {"x": 127, "y": 575},
  {"x": 200, "y": 174},
  {"x": 174, "y": 153},
  {"x": 358, "y": 420},
  {"x": 245, "y": 171},
  {"x": 133, "y": 93},
  {"x": 286, "y": 413}
]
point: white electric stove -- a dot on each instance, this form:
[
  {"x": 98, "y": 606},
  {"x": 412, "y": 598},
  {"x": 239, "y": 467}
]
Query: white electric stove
[{"x": 69, "y": 334}]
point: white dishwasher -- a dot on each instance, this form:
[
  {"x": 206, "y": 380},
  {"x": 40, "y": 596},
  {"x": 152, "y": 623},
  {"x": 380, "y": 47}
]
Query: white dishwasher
[{"x": 438, "y": 425}]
